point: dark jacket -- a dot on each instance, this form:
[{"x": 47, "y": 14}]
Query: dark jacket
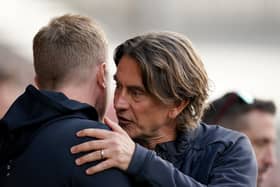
[
  {"x": 208, "y": 156},
  {"x": 36, "y": 136}
]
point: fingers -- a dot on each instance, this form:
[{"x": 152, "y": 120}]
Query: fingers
[
  {"x": 88, "y": 146},
  {"x": 91, "y": 157},
  {"x": 104, "y": 136},
  {"x": 118, "y": 149},
  {"x": 100, "y": 167},
  {"x": 113, "y": 125},
  {"x": 117, "y": 146},
  {"x": 95, "y": 133}
]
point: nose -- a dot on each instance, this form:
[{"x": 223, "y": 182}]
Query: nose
[
  {"x": 270, "y": 157},
  {"x": 120, "y": 101}
]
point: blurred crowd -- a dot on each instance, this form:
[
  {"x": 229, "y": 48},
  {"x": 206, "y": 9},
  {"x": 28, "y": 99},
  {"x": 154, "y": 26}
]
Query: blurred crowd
[{"x": 15, "y": 74}]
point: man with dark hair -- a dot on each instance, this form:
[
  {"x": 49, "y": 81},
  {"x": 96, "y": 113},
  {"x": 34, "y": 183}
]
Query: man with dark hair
[
  {"x": 37, "y": 131},
  {"x": 161, "y": 89},
  {"x": 253, "y": 117}
]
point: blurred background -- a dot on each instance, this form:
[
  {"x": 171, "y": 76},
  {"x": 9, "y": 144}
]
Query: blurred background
[{"x": 238, "y": 41}]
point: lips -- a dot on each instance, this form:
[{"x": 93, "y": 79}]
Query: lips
[
  {"x": 123, "y": 121},
  {"x": 262, "y": 174},
  {"x": 120, "y": 118}
]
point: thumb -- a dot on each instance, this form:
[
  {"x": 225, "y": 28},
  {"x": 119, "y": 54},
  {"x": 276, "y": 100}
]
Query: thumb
[{"x": 113, "y": 125}]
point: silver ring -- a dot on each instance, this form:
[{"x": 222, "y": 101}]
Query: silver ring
[{"x": 102, "y": 154}]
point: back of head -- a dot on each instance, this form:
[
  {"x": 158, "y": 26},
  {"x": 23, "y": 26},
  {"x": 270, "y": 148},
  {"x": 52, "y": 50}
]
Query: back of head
[
  {"x": 65, "y": 49},
  {"x": 229, "y": 109},
  {"x": 172, "y": 72}
]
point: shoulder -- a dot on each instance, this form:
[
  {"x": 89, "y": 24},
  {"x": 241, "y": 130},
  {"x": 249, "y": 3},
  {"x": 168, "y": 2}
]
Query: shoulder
[
  {"x": 67, "y": 135},
  {"x": 57, "y": 137},
  {"x": 75, "y": 123},
  {"x": 216, "y": 149},
  {"x": 223, "y": 144},
  {"x": 213, "y": 134},
  {"x": 63, "y": 130},
  {"x": 217, "y": 139}
]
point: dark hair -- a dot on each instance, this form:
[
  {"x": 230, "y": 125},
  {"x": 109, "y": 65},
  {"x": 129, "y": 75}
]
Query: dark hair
[
  {"x": 228, "y": 109},
  {"x": 67, "y": 46},
  {"x": 172, "y": 72}
]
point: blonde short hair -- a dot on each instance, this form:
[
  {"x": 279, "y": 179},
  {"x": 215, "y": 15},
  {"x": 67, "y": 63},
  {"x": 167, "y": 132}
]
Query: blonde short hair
[{"x": 68, "y": 45}]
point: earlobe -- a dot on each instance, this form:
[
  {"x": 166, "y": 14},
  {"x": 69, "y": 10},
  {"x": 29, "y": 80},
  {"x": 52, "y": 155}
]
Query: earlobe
[{"x": 177, "y": 109}]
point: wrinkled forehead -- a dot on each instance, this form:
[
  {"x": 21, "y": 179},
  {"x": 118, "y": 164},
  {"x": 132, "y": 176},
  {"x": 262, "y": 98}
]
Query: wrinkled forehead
[{"x": 128, "y": 71}]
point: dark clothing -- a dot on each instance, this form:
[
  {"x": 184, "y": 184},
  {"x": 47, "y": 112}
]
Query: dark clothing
[
  {"x": 36, "y": 136},
  {"x": 208, "y": 156}
]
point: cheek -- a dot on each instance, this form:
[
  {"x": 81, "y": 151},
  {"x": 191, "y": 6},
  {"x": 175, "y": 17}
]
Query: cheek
[
  {"x": 141, "y": 113},
  {"x": 150, "y": 117},
  {"x": 260, "y": 152}
]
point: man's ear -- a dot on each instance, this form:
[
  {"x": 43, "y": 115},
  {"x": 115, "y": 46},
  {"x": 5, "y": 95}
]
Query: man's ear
[
  {"x": 101, "y": 75},
  {"x": 177, "y": 109}
]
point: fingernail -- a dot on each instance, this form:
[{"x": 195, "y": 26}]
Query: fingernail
[
  {"x": 79, "y": 133},
  {"x": 73, "y": 150},
  {"x": 88, "y": 172},
  {"x": 78, "y": 161}
]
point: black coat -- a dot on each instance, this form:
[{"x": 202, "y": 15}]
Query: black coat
[{"x": 36, "y": 136}]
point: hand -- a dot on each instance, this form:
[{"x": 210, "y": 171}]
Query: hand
[{"x": 114, "y": 147}]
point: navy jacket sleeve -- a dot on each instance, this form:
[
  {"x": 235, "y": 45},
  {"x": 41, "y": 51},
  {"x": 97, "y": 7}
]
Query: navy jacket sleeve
[{"x": 235, "y": 167}]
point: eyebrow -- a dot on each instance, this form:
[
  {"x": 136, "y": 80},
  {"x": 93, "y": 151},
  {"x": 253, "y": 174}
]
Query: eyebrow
[
  {"x": 131, "y": 87},
  {"x": 138, "y": 88}
]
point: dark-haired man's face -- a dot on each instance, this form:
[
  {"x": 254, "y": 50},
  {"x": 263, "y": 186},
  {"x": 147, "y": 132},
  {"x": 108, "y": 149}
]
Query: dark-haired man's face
[
  {"x": 140, "y": 114},
  {"x": 262, "y": 134}
]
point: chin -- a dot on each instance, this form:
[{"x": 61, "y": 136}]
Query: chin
[
  {"x": 130, "y": 130},
  {"x": 261, "y": 178}
]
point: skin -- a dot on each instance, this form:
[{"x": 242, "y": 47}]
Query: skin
[
  {"x": 141, "y": 117},
  {"x": 9, "y": 91},
  {"x": 262, "y": 134},
  {"x": 118, "y": 148}
]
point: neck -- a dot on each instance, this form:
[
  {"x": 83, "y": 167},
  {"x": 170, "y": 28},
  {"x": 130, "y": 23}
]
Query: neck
[
  {"x": 162, "y": 136},
  {"x": 82, "y": 93}
]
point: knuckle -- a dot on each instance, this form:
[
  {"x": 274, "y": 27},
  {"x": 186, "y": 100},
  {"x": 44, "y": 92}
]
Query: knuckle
[
  {"x": 90, "y": 144},
  {"x": 113, "y": 143},
  {"x": 90, "y": 156},
  {"x": 115, "y": 162},
  {"x": 81, "y": 160},
  {"x": 118, "y": 151}
]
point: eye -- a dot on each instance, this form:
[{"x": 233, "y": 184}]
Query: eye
[
  {"x": 136, "y": 93},
  {"x": 263, "y": 142}
]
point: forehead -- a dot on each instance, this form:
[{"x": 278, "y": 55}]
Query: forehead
[
  {"x": 261, "y": 124},
  {"x": 128, "y": 71}
]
